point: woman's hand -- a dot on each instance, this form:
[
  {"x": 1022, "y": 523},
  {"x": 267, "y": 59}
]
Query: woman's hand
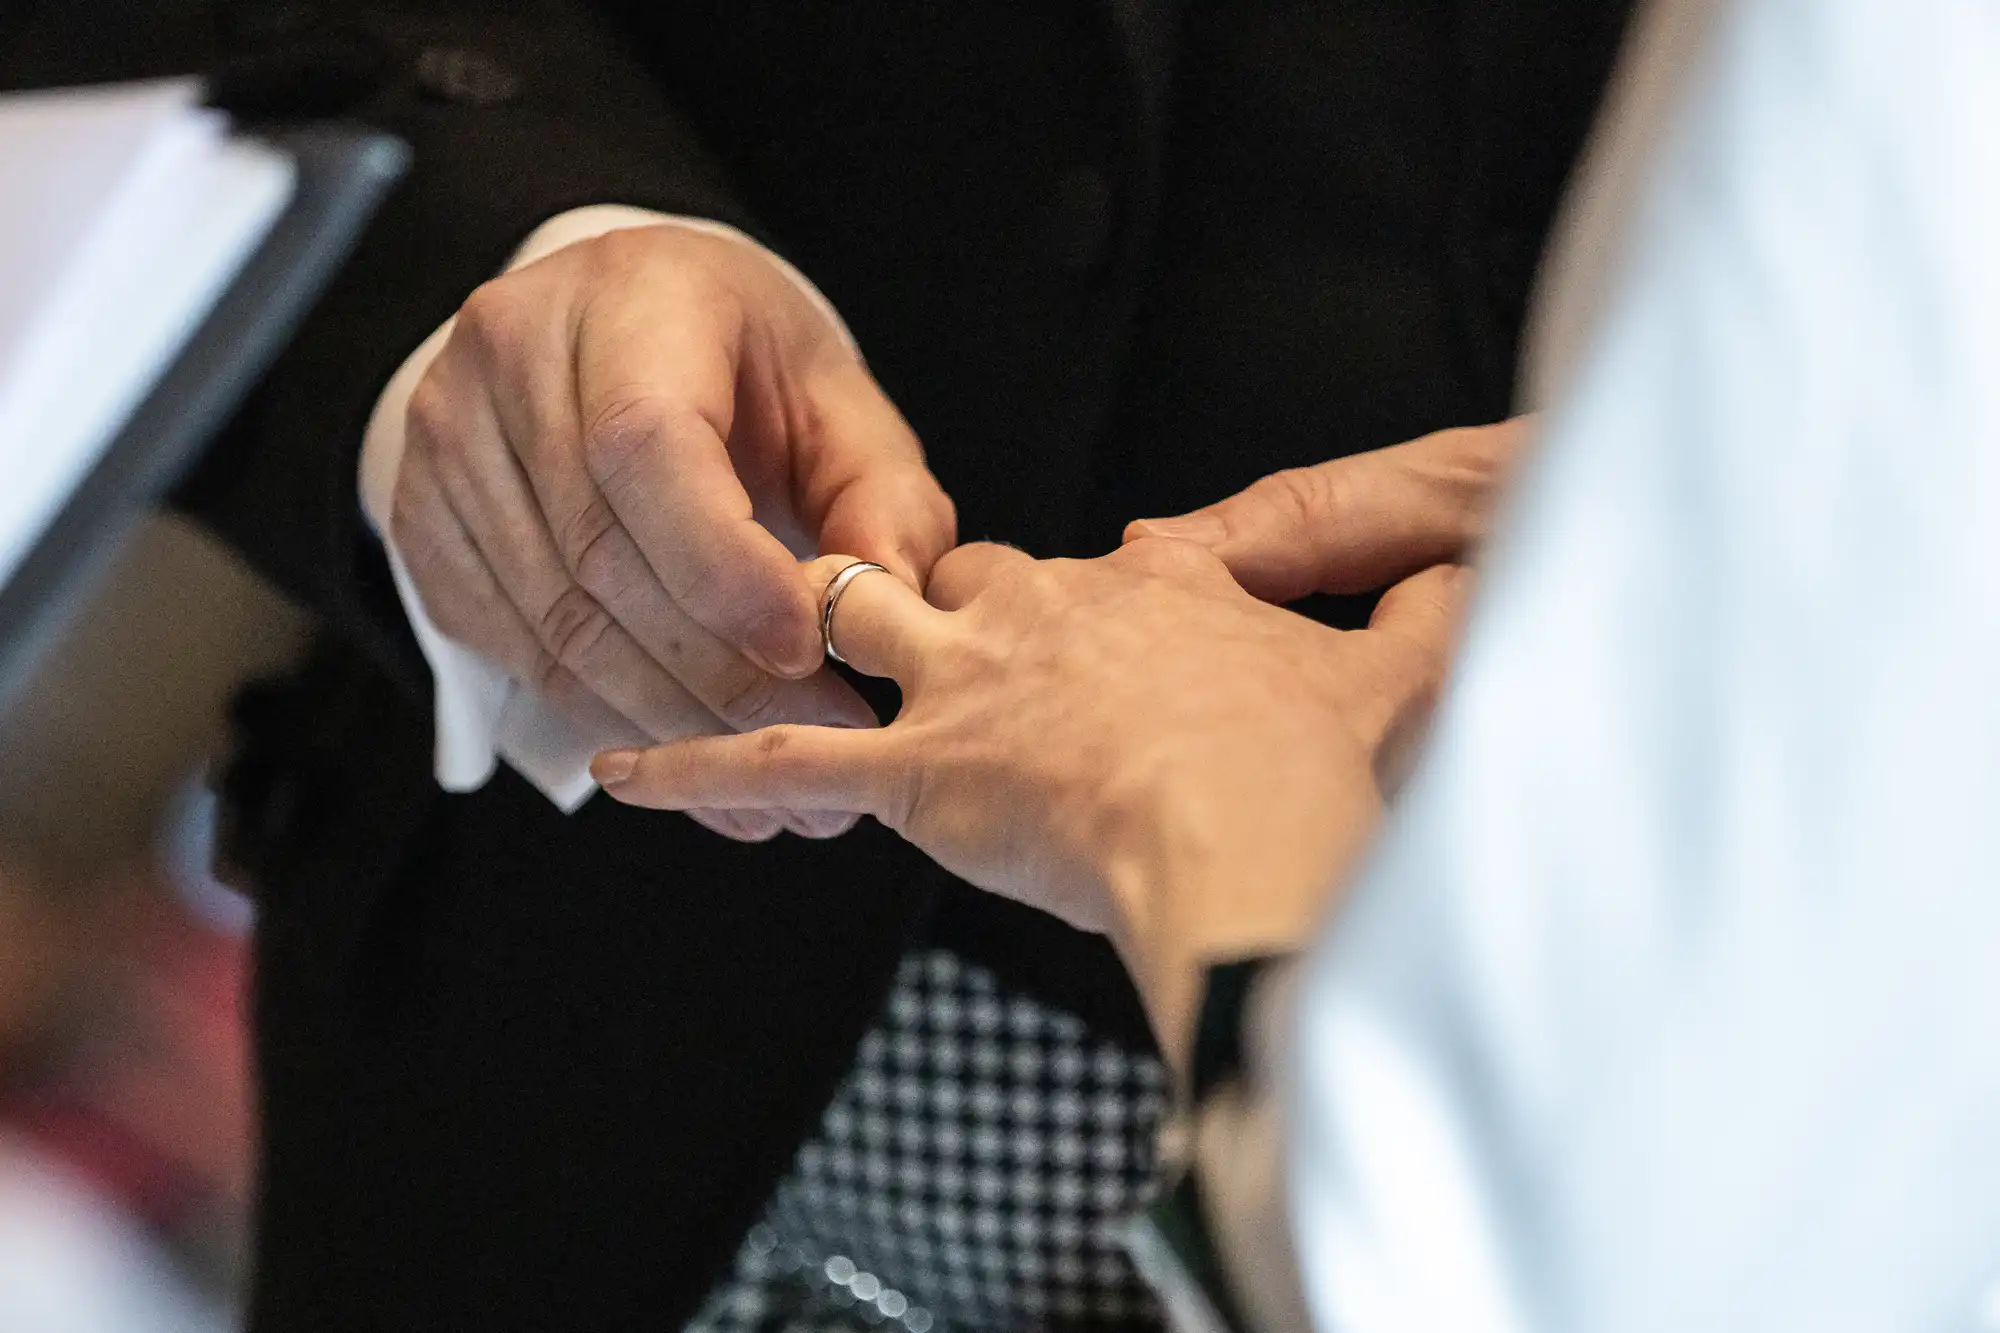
[{"x": 1131, "y": 743}]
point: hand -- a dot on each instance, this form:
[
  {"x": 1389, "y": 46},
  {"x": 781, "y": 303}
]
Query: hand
[
  {"x": 1357, "y": 523},
  {"x": 601, "y": 464},
  {"x": 1132, "y": 743}
]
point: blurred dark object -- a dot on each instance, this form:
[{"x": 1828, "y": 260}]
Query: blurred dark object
[
  {"x": 130, "y": 697},
  {"x": 287, "y": 78}
]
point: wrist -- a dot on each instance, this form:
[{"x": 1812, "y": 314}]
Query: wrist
[{"x": 1194, "y": 888}]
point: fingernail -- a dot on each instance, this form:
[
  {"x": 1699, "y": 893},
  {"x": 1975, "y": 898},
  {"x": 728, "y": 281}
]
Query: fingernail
[
  {"x": 777, "y": 646},
  {"x": 819, "y": 824},
  {"x": 756, "y": 825},
  {"x": 613, "y": 766},
  {"x": 1202, "y": 528},
  {"x": 719, "y": 822}
]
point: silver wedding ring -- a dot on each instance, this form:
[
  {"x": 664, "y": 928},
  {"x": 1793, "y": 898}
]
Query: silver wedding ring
[{"x": 831, "y": 599}]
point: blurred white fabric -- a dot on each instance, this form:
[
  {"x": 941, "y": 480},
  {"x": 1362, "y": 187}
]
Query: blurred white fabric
[
  {"x": 1672, "y": 1000},
  {"x": 71, "y": 1262}
]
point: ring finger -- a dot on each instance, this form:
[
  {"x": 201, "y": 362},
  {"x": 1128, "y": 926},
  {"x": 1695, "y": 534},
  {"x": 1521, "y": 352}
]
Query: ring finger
[{"x": 877, "y": 623}]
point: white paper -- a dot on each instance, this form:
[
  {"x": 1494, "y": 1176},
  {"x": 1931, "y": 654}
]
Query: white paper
[{"x": 127, "y": 211}]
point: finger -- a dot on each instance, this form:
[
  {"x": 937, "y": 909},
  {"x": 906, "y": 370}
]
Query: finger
[
  {"x": 540, "y": 421},
  {"x": 1356, "y": 523},
  {"x": 1187, "y": 563},
  {"x": 820, "y": 824},
  {"x": 864, "y": 485},
  {"x": 482, "y": 481},
  {"x": 966, "y": 572},
  {"x": 656, "y": 398},
  {"x": 737, "y": 690},
  {"x": 740, "y": 825},
  {"x": 742, "y": 694},
  {"x": 779, "y": 768},
  {"x": 464, "y": 600},
  {"x": 880, "y": 625},
  {"x": 478, "y": 614},
  {"x": 1426, "y": 608}
]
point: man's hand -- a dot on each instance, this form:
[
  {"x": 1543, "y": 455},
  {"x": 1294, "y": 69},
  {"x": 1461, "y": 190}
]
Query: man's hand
[
  {"x": 1359, "y": 523},
  {"x": 605, "y": 466}
]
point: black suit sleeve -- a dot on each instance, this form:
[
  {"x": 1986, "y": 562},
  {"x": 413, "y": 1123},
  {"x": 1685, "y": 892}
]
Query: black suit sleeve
[{"x": 515, "y": 111}]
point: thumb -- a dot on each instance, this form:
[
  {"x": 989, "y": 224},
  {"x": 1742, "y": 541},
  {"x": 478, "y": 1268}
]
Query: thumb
[
  {"x": 1356, "y": 523},
  {"x": 864, "y": 487},
  {"x": 1273, "y": 536}
]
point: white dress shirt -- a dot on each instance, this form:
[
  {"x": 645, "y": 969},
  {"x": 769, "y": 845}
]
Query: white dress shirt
[
  {"x": 1672, "y": 998},
  {"x": 483, "y": 714}
]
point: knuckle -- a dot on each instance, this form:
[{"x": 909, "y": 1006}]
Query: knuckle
[
  {"x": 688, "y": 268},
  {"x": 1049, "y": 581},
  {"x": 707, "y": 605},
  {"x": 488, "y": 312},
  {"x": 1467, "y": 497},
  {"x": 971, "y": 659},
  {"x": 431, "y": 417},
  {"x": 750, "y": 702},
  {"x": 956, "y": 575},
  {"x": 1002, "y": 588},
  {"x": 410, "y": 530},
  {"x": 943, "y": 513},
  {"x": 555, "y": 682},
  {"x": 622, "y": 427},
  {"x": 778, "y": 756},
  {"x": 711, "y": 596},
  {"x": 589, "y": 549},
  {"x": 622, "y": 252},
  {"x": 1299, "y": 495},
  {"x": 955, "y": 562},
  {"x": 572, "y": 629},
  {"x": 1169, "y": 555},
  {"x": 563, "y": 688},
  {"x": 1303, "y": 497}
]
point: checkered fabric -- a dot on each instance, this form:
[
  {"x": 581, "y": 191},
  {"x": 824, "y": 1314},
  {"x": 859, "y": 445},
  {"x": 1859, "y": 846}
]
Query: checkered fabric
[{"x": 975, "y": 1172}]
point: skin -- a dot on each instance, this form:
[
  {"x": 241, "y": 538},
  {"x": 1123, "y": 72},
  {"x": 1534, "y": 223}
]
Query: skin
[
  {"x": 1134, "y": 744},
  {"x": 606, "y": 461},
  {"x": 1361, "y": 522},
  {"x": 622, "y": 447}
]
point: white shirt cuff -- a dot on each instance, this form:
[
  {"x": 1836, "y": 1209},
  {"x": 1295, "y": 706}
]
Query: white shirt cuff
[{"x": 483, "y": 715}]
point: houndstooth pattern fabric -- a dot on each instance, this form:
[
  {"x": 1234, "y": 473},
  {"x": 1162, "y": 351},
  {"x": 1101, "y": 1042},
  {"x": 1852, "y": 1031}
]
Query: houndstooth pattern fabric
[{"x": 975, "y": 1172}]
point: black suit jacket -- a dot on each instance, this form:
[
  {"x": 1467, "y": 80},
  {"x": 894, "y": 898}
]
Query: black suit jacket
[{"x": 1110, "y": 256}]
